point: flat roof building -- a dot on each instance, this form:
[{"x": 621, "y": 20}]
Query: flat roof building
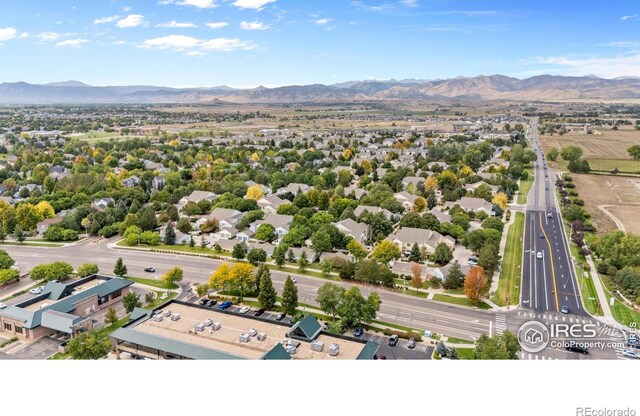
[{"x": 181, "y": 330}]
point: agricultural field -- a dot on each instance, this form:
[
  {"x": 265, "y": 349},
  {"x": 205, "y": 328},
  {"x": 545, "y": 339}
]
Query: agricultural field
[
  {"x": 612, "y": 201},
  {"x": 605, "y": 149}
]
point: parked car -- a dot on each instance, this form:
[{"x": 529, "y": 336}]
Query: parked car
[
  {"x": 358, "y": 332},
  {"x": 36, "y": 290},
  {"x": 225, "y": 305},
  {"x": 244, "y": 309},
  {"x": 211, "y": 303},
  {"x": 412, "y": 343},
  {"x": 280, "y": 316},
  {"x": 630, "y": 354},
  {"x": 393, "y": 340},
  {"x": 472, "y": 261},
  {"x": 3, "y": 305},
  {"x": 149, "y": 270},
  {"x": 577, "y": 348},
  {"x": 564, "y": 309},
  {"x": 259, "y": 312},
  {"x": 203, "y": 302}
]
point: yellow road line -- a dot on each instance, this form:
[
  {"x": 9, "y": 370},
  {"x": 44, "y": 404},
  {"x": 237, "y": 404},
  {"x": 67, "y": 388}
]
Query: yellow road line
[{"x": 553, "y": 273}]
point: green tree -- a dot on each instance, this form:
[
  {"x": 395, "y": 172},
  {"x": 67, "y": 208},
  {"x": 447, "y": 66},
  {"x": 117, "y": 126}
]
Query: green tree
[
  {"x": 441, "y": 349},
  {"x": 326, "y": 266},
  {"x": 3, "y": 234},
  {"x": 192, "y": 242},
  {"x": 19, "y": 235},
  {"x": 131, "y": 301},
  {"x": 9, "y": 275},
  {"x": 553, "y": 153},
  {"x": 415, "y": 254},
  {"x": 489, "y": 258},
  {"x": 634, "y": 151},
  {"x": 111, "y": 317},
  {"x": 455, "y": 277},
  {"x": 289, "y": 296},
  {"x": 27, "y": 216},
  {"x": 89, "y": 346},
  {"x": 239, "y": 251},
  {"x": 328, "y": 298},
  {"x": 442, "y": 254},
  {"x": 504, "y": 346},
  {"x": 266, "y": 232},
  {"x": 87, "y": 269},
  {"x": 355, "y": 308},
  {"x": 303, "y": 261},
  {"x": 279, "y": 255},
  {"x": 57, "y": 270},
  {"x": 256, "y": 256},
  {"x": 119, "y": 269},
  {"x": 385, "y": 251},
  {"x": 172, "y": 277},
  {"x": 267, "y": 294},
  {"x": 5, "y": 260},
  {"x": 356, "y": 249},
  {"x": 570, "y": 153},
  {"x": 169, "y": 235},
  {"x": 321, "y": 242},
  {"x": 493, "y": 223}
]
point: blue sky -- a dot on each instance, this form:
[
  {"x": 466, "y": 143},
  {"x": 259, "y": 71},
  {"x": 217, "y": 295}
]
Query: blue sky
[{"x": 246, "y": 43}]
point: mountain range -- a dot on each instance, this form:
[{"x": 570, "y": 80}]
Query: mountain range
[{"x": 493, "y": 87}]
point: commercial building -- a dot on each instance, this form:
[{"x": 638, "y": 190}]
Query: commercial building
[
  {"x": 62, "y": 308},
  {"x": 187, "y": 331}
]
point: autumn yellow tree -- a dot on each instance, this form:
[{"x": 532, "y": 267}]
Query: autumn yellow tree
[
  {"x": 347, "y": 154},
  {"x": 255, "y": 157},
  {"x": 220, "y": 277},
  {"x": 500, "y": 199},
  {"x": 45, "y": 209},
  {"x": 466, "y": 171},
  {"x": 255, "y": 192},
  {"x": 416, "y": 276},
  {"x": 476, "y": 284},
  {"x": 420, "y": 204},
  {"x": 431, "y": 183}
]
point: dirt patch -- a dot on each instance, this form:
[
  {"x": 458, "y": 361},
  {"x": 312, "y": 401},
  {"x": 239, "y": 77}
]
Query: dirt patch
[
  {"x": 603, "y": 144},
  {"x": 620, "y": 195}
]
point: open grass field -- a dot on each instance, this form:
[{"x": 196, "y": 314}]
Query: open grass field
[
  {"x": 525, "y": 186},
  {"x": 608, "y": 197},
  {"x": 508, "y": 292}
]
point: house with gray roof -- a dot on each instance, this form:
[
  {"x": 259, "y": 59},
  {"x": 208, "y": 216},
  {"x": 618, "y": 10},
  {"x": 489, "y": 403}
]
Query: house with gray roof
[{"x": 427, "y": 240}]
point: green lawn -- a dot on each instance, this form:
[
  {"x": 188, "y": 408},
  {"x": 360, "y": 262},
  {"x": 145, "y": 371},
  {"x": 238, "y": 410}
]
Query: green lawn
[
  {"x": 151, "y": 282},
  {"x": 454, "y": 340},
  {"x": 508, "y": 292},
  {"x": 459, "y": 301},
  {"x": 159, "y": 301},
  {"x": 623, "y": 165},
  {"x": 465, "y": 353},
  {"x": 621, "y": 312},
  {"x": 38, "y": 244},
  {"x": 525, "y": 185}
]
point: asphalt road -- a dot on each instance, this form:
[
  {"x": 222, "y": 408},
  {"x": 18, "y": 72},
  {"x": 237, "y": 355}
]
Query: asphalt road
[
  {"x": 396, "y": 307},
  {"x": 548, "y": 278}
]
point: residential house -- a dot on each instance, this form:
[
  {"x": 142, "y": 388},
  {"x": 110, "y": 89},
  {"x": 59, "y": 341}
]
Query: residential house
[
  {"x": 361, "y": 209},
  {"x": 269, "y": 204},
  {"x": 131, "y": 181},
  {"x": 474, "y": 204},
  {"x": 44, "y": 225},
  {"x": 294, "y": 188},
  {"x": 440, "y": 215},
  {"x": 406, "y": 237},
  {"x": 406, "y": 199},
  {"x": 280, "y": 223},
  {"x": 404, "y": 268},
  {"x": 353, "y": 229},
  {"x": 412, "y": 180},
  {"x": 355, "y": 190},
  {"x": 158, "y": 182},
  {"x": 102, "y": 203},
  {"x": 197, "y": 196},
  {"x": 228, "y": 218}
]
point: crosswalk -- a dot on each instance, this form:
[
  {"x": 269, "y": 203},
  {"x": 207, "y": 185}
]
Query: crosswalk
[
  {"x": 618, "y": 337},
  {"x": 501, "y": 323},
  {"x": 558, "y": 318}
]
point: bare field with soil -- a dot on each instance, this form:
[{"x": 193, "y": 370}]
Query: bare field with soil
[
  {"x": 616, "y": 195},
  {"x": 610, "y": 144}
]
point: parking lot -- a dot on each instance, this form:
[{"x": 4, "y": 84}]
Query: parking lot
[{"x": 422, "y": 351}]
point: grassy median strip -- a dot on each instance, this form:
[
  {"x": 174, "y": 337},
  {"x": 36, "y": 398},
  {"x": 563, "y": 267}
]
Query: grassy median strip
[
  {"x": 525, "y": 185},
  {"x": 151, "y": 282},
  {"x": 460, "y": 301},
  {"x": 509, "y": 284}
]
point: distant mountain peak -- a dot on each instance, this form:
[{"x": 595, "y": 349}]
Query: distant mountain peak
[{"x": 69, "y": 83}]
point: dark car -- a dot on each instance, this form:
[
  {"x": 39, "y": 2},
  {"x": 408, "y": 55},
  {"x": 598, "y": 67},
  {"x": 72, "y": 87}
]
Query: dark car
[
  {"x": 150, "y": 270},
  {"x": 358, "y": 332},
  {"x": 211, "y": 303},
  {"x": 541, "y": 235},
  {"x": 280, "y": 316},
  {"x": 564, "y": 309},
  {"x": 203, "y": 302},
  {"x": 225, "y": 305},
  {"x": 574, "y": 347},
  {"x": 259, "y": 312},
  {"x": 393, "y": 340}
]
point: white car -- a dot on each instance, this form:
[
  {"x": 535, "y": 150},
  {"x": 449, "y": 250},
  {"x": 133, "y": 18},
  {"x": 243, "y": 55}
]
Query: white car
[
  {"x": 630, "y": 354},
  {"x": 539, "y": 255},
  {"x": 3, "y": 305},
  {"x": 244, "y": 309},
  {"x": 36, "y": 290}
]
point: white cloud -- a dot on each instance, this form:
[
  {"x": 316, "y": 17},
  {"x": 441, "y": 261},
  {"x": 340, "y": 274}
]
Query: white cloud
[
  {"x": 107, "y": 19},
  {"x": 469, "y": 13},
  {"x": 131, "y": 20},
  {"x": 610, "y": 67},
  {"x": 624, "y": 44},
  {"x": 24, "y": 35},
  {"x": 217, "y": 25},
  {"x": 410, "y": 3},
  {"x": 200, "y": 4},
  {"x": 322, "y": 21},
  {"x": 631, "y": 17},
  {"x": 49, "y": 36},
  {"x": 175, "y": 24},
  {"x": 7, "y": 33},
  {"x": 193, "y": 45},
  {"x": 72, "y": 42},
  {"x": 255, "y": 25},
  {"x": 126, "y": 8},
  {"x": 252, "y": 4}
]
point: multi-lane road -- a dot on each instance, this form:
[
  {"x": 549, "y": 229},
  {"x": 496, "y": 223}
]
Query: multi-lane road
[{"x": 548, "y": 277}]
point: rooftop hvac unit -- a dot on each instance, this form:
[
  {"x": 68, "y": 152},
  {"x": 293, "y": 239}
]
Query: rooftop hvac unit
[
  {"x": 262, "y": 336},
  {"x": 291, "y": 349},
  {"x": 293, "y": 343},
  {"x": 199, "y": 327},
  {"x": 208, "y": 322},
  {"x": 216, "y": 325},
  {"x": 167, "y": 314},
  {"x": 157, "y": 318},
  {"x": 244, "y": 337},
  {"x": 175, "y": 317},
  {"x": 252, "y": 332},
  {"x": 334, "y": 349},
  {"x": 317, "y": 346}
]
